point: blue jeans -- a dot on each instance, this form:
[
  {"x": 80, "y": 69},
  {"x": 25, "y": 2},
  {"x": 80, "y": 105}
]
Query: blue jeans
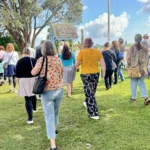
[
  {"x": 51, "y": 101},
  {"x": 120, "y": 72},
  {"x": 141, "y": 83}
]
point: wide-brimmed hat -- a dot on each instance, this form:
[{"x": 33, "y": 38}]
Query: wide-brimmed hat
[
  {"x": 88, "y": 42},
  {"x": 145, "y": 36},
  {"x": 138, "y": 37}
]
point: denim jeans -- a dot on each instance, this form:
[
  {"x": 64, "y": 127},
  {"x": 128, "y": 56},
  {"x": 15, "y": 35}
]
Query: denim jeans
[
  {"x": 120, "y": 74},
  {"x": 51, "y": 101},
  {"x": 141, "y": 83}
]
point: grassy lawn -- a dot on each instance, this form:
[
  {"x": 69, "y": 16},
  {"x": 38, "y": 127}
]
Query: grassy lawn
[{"x": 122, "y": 124}]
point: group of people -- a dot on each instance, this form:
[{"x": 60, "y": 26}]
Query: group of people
[{"x": 61, "y": 67}]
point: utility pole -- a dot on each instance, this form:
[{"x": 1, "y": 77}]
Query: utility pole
[{"x": 108, "y": 20}]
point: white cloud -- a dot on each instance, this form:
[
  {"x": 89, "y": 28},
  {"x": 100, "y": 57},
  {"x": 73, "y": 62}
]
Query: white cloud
[
  {"x": 84, "y": 7},
  {"x": 144, "y": 1},
  {"x": 97, "y": 28}
]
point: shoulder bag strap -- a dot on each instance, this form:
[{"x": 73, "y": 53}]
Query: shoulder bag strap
[
  {"x": 10, "y": 57},
  {"x": 110, "y": 55}
]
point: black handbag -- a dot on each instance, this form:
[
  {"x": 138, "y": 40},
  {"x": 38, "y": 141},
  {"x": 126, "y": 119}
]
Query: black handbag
[{"x": 40, "y": 82}]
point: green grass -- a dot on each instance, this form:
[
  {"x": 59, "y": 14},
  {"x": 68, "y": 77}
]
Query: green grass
[{"x": 122, "y": 124}]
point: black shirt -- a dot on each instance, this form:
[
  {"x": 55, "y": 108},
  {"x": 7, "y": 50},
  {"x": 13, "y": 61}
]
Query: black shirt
[
  {"x": 24, "y": 67},
  {"x": 108, "y": 56}
]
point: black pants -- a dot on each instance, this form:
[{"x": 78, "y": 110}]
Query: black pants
[
  {"x": 90, "y": 82},
  {"x": 116, "y": 75},
  {"x": 108, "y": 79},
  {"x": 1, "y": 76},
  {"x": 12, "y": 78},
  {"x": 30, "y": 103}
]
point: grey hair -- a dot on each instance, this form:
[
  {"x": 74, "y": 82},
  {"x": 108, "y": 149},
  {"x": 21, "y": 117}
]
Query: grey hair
[
  {"x": 48, "y": 49},
  {"x": 26, "y": 50}
]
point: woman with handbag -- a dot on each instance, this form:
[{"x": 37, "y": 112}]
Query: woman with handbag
[
  {"x": 89, "y": 58},
  {"x": 52, "y": 95},
  {"x": 10, "y": 60},
  {"x": 110, "y": 59},
  {"x": 137, "y": 59},
  {"x": 68, "y": 59},
  {"x": 26, "y": 81}
]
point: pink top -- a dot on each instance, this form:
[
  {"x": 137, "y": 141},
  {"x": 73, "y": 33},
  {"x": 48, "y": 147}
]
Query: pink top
[
  {"x": 2, "y": 53},
  {"x": 54, "y": 73}
]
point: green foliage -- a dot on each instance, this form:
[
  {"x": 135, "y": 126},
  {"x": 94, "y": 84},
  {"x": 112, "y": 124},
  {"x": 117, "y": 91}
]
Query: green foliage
[
  {"x": 8, "y": 39},
  {"x": 122, "y": 124}
]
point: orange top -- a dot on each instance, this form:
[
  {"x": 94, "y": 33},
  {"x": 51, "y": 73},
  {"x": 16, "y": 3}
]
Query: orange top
[{"x": 89, "y": 59}]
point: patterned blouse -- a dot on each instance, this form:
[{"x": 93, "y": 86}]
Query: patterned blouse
[{"x": 54, "y": 73}]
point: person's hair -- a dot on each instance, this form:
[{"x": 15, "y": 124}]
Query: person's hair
[
  {"x": 2, "y": 47},
  {"x": 115, "y": 45},
  {"x": 138, "y": 45},
  {"x": 42, "y": 41},
  {"x": 48, "y": 49},
  {"x": 66, "y": 53},
  {"x": 10, "y": 47},
  {"x": 26, "y": 51},
  {"x": 62, "y": 43},
  {"x": 106, "y": 44}
]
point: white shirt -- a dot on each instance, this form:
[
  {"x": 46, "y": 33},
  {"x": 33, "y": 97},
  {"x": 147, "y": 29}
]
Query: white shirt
[{"x": 12, "y": 57}]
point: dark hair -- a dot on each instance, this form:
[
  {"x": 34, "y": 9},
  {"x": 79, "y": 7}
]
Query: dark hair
[
  {"x": 2, "y": 48},
  {"x": 138, "y": 46},
  {"x": 66, "y": 53},
  {"x": 106, "y": 44}
]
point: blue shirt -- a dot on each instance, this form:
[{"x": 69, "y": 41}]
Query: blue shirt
[{"x": 68, "y": 62}]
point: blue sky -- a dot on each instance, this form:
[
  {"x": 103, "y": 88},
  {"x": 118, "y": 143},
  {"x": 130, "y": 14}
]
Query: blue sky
[{"x": 128, "y": 18}]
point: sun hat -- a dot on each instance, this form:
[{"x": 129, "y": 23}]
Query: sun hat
[
  {"x": 138, "y": 37},
  {"x": 88, "y": 42}
]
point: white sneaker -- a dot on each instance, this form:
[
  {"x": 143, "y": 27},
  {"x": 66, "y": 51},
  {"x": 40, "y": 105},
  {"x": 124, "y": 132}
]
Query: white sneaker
[
  {"x": 94, "y": 117},
  {"x": 29, "y": 122},
  {"x": 84, "y": 103},
  {"x": 34, "y": 111}
]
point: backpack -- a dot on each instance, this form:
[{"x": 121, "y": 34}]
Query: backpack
[{"x": 120, "y": 55}]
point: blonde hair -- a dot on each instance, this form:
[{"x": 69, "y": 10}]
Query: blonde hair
[
  {"x": 115, "y": 45},
  {"x": 10, "y": 47},
  {"x": 61, "y": 43}
]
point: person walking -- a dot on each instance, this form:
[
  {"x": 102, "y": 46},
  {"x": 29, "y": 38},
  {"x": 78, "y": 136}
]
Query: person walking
[
  {"x": 2, "y": 54},
  {"x": 137, "y": 57},
  {"x": 38, "y": 50},
  {"x": 89, "y": 58},
  {"x": 53, "y": 93},
  {"x": 10, "y": 60},
  {"x": 110, "y": 61},
  {"x": 68, "y": 59},
  {"x": 26, "y": 82}
]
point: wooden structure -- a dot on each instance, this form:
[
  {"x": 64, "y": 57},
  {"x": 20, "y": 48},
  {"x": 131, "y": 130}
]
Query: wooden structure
[{"x": 62, "y": 32}]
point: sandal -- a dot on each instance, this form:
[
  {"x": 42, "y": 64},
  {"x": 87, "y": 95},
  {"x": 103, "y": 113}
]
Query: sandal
[{"x": 147, "y": 101}]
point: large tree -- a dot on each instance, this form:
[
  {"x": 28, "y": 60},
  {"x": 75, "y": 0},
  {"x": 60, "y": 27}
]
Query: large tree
[{"x": 25, "y": 19}]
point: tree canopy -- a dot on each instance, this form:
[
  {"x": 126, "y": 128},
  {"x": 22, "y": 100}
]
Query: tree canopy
[{"x": 25, "y": 19}]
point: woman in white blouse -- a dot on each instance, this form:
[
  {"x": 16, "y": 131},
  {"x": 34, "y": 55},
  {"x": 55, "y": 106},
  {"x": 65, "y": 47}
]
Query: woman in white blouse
[{"x": 10, "y": 61}]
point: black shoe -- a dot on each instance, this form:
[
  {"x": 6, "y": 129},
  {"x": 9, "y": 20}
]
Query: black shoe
[
  {"x": 53, "y": 148},
  {"x": 56, "y": 131}
]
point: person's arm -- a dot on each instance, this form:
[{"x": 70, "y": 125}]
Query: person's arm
[
  {"x": 102, "y": 63},
  {"x": 78, "y": 60}
]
